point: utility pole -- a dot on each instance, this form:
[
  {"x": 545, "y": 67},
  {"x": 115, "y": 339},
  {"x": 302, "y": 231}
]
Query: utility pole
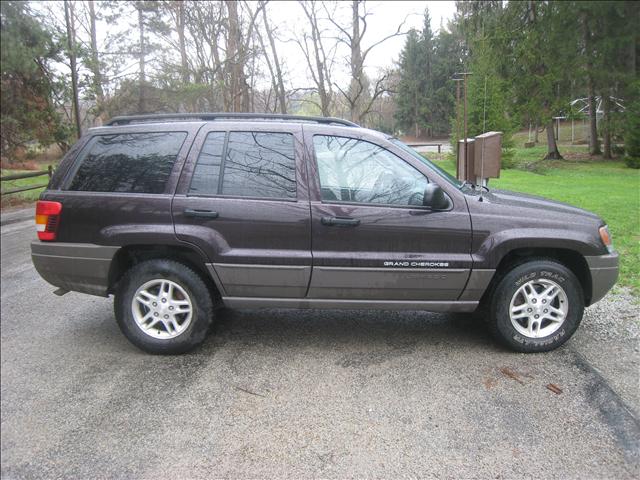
[
  {"x": 456, "y": 148},
  {"x": 464, "y": 76}
]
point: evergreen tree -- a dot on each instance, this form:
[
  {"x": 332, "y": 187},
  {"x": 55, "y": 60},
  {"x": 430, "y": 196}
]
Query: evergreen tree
[
  {"x": 449, "y": 45},
  {"x": 632, "y": 126},
  {"x": 27, "y": 82},
  {"x": 426, "y": 100},
  {"x": 409, "y": 88}
]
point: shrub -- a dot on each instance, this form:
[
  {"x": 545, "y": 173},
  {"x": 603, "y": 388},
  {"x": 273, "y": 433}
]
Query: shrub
[
  {"x": 618, "y": 150},
  {"x": 632, "y": 162}
]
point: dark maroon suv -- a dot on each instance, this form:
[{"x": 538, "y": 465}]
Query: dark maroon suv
[{"x": 178, "y": 214}]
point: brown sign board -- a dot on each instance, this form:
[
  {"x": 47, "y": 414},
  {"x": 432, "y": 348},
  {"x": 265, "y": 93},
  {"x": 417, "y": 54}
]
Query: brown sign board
[
  {"x": 488, "y": 155},
  {"x": 483, "y": 159}
]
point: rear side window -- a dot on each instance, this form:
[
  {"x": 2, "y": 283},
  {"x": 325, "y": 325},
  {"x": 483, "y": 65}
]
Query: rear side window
[
  {"x": 207, "y": 173},
  {"x": 128, "y": 163},
  {"x": 254, "y": 164}
]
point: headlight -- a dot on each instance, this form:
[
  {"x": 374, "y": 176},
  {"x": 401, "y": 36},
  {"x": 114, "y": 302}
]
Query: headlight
[{"x": 605, "y": 236}]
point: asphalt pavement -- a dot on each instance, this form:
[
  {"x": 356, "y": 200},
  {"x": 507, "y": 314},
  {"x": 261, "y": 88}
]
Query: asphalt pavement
[{"x": 307, "y": 394}]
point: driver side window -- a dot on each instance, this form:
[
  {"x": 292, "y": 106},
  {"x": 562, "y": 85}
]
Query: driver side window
[{"x": 360, "y": 172}]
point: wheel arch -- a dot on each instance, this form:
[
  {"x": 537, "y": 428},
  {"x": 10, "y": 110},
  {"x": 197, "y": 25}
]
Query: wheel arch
[
  {"x": 571, "y": 259},
  {"x": 130, "y": 255}
]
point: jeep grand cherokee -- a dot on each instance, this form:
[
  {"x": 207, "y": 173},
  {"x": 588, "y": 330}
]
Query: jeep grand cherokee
[{"x": 178, "y": 214}]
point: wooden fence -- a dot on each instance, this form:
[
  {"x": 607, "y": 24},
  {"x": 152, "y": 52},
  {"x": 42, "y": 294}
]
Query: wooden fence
[{"x": 20, "y": 176}]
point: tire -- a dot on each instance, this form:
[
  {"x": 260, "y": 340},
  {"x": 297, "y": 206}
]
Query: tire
[
  {"x": 537, "y": 323},
  {"x": 172, "y": 311}
]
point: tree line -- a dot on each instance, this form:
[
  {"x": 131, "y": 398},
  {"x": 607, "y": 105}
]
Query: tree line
[
  {"x": 73, "y": 64},
  {"x": 528, "y": 61},
  {"x": 61, "y": 73}
]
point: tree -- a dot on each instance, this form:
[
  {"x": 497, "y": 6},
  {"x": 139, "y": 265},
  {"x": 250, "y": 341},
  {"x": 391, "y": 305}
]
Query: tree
[
  {"x": 410, "y": 94},
  {"x": 28, "y": 49},
  {"x": 427, "y": 55},
  {"x": 360, "y": 95},
  {"x": 536, "y": 49},
  {"x": 140, "y": 6},
  {"x": 615, "y": 29},
  {"x": 93, "y": 62},
  {"x": 319, "y": 56},
  {"x": 278, "y": 83},
  {"x": 632, "y": 126},
  {"x": 71, "y": 52},
  {"x": 425, "y": 91},
  {"x": 586, "y": 20}
]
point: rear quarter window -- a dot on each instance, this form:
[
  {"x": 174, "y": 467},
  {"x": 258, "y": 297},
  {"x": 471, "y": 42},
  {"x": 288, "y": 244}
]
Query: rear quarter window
[{"x": 128, "y": 163}]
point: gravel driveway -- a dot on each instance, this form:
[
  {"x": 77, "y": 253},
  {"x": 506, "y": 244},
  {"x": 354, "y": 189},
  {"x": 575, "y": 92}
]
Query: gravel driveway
[{"x": 317, "y": 394}]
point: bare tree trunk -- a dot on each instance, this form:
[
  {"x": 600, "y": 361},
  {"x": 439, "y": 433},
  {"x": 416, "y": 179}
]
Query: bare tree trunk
[
  {"x": 606, "y": 133},
  {"x": 536, "y": 132},
  {"x": 360, "y": 97},
  {"x": 142, "y": 76},
  {"x": 234, "y": 100},
  {"x": 356, "y": 87},
  {"x": 594, "y": 145},
  {"x": 274, "y": 82},
  {"x": 280, "y": 93},
  {"x": 71, "y": 40},
  {"x": 180, "y": 20},
  {"x": 320, "y": 64},
  {"x": 95, "y": 63},
  {"x": 552, "y": 146}
]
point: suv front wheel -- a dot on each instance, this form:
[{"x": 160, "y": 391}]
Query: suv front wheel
[
  {"x": 163, "y": 307},
  {"x": 536, "y": 307}
]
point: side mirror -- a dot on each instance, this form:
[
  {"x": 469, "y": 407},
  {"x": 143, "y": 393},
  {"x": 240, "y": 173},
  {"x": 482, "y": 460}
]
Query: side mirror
[{"x": 435, "y": 197}]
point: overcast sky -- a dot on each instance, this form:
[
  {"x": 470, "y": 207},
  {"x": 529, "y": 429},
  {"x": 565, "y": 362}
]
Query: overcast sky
[
  {"x": 288, "y": 19},
  {"x": 385, "y": 19}
]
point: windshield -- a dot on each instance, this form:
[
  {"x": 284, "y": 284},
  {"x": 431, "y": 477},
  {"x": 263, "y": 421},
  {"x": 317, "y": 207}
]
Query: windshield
[{"x": 447, "y": 176}]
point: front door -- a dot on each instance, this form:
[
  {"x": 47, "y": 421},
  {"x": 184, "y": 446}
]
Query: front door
[
  {"x": 242, "y": 199},
  {"x": 372, "y": 236}
]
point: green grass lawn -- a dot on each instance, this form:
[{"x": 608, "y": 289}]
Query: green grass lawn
[{"x": 608, "y": 189}]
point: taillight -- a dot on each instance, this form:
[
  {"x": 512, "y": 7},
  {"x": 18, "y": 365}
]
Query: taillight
[{"x": 47, "y": 219}]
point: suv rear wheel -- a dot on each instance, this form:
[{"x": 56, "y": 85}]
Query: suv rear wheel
[
  {"x": 537, "y": 306},
  {"x": 163, "y": 307}
]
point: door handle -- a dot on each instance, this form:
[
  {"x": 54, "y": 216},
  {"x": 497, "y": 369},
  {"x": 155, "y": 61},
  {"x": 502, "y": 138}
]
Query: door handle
[
  {"x": 340, "y": 221},
  {"x": 190, "y": 212}
]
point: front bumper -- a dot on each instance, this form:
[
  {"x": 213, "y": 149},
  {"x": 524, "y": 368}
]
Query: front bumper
[
  {"x": 81, "y": 267},
  {"x": 604, "y": 273}
]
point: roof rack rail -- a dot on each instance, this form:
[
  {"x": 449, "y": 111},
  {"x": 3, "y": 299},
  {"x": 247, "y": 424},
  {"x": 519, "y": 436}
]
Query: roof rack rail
[{"x": 206, "y": 117}]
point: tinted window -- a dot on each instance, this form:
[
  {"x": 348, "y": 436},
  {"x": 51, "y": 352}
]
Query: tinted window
[
  {"x": 255, "y": 164},
  {"x": 132, "y": 162},
  {"x": 259, "y": 165},
  {"x": 357, "y": 171},
  {"x": 207, "y": 173}
]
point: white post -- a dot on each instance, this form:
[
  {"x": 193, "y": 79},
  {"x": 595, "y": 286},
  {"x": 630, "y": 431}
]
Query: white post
[{"x": 572, "y": 132}]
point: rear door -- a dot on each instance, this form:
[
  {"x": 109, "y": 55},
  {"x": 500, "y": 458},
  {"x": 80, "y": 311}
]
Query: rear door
[
  {"x": 243, "y": 200},
  {"x": 372, "y": 238}
]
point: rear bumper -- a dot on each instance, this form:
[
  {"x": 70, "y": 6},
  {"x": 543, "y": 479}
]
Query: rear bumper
[
  {"x": 604, "y": 274},
  {"x": 80, "y": 267}
]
